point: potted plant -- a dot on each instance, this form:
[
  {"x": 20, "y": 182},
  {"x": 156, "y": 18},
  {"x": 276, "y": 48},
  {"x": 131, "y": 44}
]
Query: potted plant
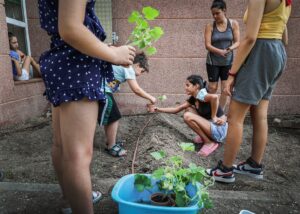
[{"x": 182, "y": 189}]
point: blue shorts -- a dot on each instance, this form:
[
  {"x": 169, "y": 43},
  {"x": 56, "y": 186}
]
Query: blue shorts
[{"x": 218, "y": 132}]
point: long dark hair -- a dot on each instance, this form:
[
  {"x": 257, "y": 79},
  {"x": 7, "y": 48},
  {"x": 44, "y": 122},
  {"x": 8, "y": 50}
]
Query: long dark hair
[
  {"x": 197, "y": 79},
  {"x": 220, "y": 4}
]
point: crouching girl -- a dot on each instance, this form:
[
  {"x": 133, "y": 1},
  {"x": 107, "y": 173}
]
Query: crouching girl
[{"x": 202, "y": 114}]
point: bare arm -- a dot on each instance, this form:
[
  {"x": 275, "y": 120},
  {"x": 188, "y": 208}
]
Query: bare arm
[
  {"x": 285, "y": 37},
  {"x": 134, "y": 86},
  {"x": 208, "y": 45},
  {"x": 173, "y": 110},
  {"x": 255, "y": 14},
  {"x": 213, "y": 99},
  {"x": 236, "y": 35},
  {"x": 72, "y": 30}
]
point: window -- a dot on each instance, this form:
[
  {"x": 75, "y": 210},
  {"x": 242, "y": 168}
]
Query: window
[
  {"x": 16, "y": 19},
  {"x": 103, "y": 10}
]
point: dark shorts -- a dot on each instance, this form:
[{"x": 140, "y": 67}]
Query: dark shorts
[
  {"x": 259, "y": 74},
  {"x": 216, "y": 72},
  {"x": 108, "y": 112}
]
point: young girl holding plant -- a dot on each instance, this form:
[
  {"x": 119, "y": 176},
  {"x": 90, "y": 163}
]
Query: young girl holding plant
[
  {"x": 202, "y": 114},
  {"x": 74, "y": 70}
]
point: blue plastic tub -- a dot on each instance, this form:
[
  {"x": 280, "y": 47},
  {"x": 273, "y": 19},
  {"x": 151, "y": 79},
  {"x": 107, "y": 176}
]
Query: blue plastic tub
[{"x": 128, "y": 199}]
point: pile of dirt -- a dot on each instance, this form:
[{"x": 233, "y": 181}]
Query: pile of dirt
[{"x": 25, "y": 158}]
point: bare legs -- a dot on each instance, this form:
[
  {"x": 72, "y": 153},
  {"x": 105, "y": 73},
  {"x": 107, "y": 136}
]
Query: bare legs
[
  {"x": 260, "y": 130},
  {"x": 223, "y": 98},
  {"x": 36, "y": 67},
  {"x": 26, "y": 64},
  {"x": 74, "y": 125},
  {"x": 111, "y": 135},
  {"x": 213, "y": 88},
  {"x": 199, "y": 125},
  {"x": 236, "y": 116}
]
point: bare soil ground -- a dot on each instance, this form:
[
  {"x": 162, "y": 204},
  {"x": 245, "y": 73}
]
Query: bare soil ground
[{"x": 25, "y": 158}]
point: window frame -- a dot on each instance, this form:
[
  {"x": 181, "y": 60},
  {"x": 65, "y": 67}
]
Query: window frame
[{"x": 22, "y": 24}]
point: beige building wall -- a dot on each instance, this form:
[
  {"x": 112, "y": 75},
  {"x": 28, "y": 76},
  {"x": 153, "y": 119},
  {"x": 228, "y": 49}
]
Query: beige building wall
[
  {"x": 181, "y": 51},
  {"x": 21, "y": 101}
]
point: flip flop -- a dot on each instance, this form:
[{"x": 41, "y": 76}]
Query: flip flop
[
  {"x": 207, "y": 149},
  {"x": 198, "y": 139}
]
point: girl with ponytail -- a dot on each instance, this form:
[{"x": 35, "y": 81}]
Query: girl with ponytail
[{"x": 202, "y": 114}]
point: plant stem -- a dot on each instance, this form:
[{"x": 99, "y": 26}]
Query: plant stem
[{"x": 137, "y": 142}]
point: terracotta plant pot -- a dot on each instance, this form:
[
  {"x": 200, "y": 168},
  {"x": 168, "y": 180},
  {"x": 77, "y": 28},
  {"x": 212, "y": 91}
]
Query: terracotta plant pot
[{"x": 160, "y": 199}]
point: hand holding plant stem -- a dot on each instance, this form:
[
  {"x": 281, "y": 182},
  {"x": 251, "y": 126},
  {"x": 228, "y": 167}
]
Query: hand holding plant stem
[
  {"x": 143, "y": 36},
  {"x": 151, "y": 107}
]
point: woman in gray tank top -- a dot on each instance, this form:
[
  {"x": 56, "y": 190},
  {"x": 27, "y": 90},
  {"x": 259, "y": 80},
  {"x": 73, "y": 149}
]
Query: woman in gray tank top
[{"x": 221, "y": 38}]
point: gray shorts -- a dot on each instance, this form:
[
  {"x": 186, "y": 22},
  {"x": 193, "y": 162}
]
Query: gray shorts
[
  {"x": 218, "y": 132},
  {"x": 257, "y": 78}
]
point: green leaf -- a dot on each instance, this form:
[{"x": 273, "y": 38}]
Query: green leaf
[
  {"x": 158, "y": 155},
  {"x": 151, "y": 50},
  {"x": 156, "y": 33},
  {"x": 181, "y": 172},
  {"x": 141, "y": 44},
  {"x": 206, "y": 200},
  {"x": 181, "y": 199},
  {"x": 134, "y": 16},
  {"x": 158, "y": 173},
  {"x": 142, "y": 182},
  {"x": 142, "y": 24},
  {"x": 176, "y": 160},
  {"x": 150, "y": 13},
  {"x": 187, "y": 146},
  {"x": 193, "y": 166},
  {"x": 162, "y": 98},
  {"x": 180, "y": 187}
]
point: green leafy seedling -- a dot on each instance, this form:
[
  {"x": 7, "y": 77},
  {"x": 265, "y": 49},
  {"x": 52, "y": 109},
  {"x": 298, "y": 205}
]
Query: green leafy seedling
[
  {"x": 143, "y": 36},
  {"x": 173, "y": 178},
  {"x": 162, "y": 98}
]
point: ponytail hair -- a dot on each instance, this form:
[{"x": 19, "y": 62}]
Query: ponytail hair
[
  {"x": 219, "y": 4},
  {"x": 197, "y": 79}
]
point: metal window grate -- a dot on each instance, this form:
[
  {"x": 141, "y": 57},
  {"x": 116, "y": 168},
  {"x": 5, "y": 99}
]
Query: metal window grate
[{"x": 103, "y": 9}]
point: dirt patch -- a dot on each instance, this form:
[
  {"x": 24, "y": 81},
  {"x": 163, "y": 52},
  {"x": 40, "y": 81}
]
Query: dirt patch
[{"x": 25, "y": 158}]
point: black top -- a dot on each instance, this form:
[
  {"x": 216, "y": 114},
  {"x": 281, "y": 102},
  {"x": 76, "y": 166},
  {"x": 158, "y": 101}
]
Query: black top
[{"x": 204, "y": 109}]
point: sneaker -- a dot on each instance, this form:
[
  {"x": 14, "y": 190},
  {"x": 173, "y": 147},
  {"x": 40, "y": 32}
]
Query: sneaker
[
  {"x": 250, "y": 168},
  {"x": 221, "y": 173},
  {"x": 97, "y": 196}
]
